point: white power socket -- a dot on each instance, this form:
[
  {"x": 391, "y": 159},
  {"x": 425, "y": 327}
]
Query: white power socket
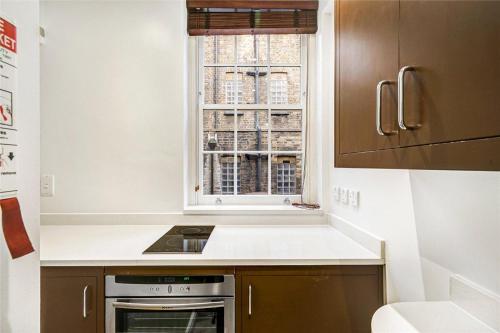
[
  {"x": 354, "y": 198},
  {"x": 344, "y": 196}
]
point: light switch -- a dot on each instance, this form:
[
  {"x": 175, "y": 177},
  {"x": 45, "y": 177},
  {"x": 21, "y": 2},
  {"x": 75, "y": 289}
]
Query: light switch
[
  {"x": 47, "y": 186},
  {"x": 354, "y": 198},
  {"x": 344, "y": 195}
]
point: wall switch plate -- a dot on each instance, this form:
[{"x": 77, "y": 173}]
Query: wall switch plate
[
  {"x": 354, "y": 198},
  {"x": 336, "y": 193},
  {"x": 47, "y": 186},
  {"x": 344, "y": 195}
]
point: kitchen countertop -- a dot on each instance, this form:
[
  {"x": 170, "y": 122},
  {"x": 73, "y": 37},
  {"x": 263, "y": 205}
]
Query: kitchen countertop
[{"x": 122, "y": 245}]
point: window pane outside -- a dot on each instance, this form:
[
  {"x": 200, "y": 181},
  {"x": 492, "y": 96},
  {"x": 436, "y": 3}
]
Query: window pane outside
[{"x": 254, "y": 137}]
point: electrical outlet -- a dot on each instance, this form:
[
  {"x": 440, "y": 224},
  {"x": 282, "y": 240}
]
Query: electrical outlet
[
  {"x": 344, "y": 195},
  {"x": 354, "y": 198},
  {"x": 336, "y": 193},
  {"x": 47, "y": 186}
]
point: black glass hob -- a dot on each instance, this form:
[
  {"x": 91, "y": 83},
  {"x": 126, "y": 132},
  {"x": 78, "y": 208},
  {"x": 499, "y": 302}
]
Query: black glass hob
[{"x": 182, "y": 239}]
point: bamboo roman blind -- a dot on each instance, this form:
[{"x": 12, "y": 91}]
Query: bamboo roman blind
[{"x": 242, "y": 17}]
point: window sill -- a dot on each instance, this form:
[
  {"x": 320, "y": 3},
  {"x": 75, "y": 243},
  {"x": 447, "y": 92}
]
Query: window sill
[{"x": 249, "y": 210}]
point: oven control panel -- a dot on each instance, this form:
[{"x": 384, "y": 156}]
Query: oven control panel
[{"x": 127, "y": 285}]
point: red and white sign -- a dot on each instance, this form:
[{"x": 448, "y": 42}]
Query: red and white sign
[
  {"x": 8, "y": 38},
  {"x": 8, "y": 95}
]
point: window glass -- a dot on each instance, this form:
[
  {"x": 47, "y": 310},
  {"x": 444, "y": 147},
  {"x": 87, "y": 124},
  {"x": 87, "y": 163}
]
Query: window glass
[
  {"x": 287, "y": 174},
  {"x": 251, "y": 115}
]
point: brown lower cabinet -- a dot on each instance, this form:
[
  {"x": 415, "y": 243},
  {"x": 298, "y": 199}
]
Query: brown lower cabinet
[
  {"x": 72, "y": 300},
  {"x": 291, "y": 299},
  {"x": 338, "y": 299}
]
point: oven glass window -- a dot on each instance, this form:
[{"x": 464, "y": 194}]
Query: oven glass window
[{"x": 191, "y": 321}]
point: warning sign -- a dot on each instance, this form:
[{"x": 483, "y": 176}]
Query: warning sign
[{"x": 8, "y": 90}]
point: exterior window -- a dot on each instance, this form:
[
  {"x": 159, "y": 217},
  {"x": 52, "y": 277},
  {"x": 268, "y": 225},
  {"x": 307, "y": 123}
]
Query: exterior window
[
  {"x": 227, "y": 178},
  {"x": 251, "y": 111},
  {"x": 231, "y": 92},
  {"x": 286, "y": 178},
  {"x": 279, "y": 91}
]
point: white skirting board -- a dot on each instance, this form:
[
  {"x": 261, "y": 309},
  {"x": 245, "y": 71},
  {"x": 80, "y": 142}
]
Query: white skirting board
[{"x": 477, "y": 301}]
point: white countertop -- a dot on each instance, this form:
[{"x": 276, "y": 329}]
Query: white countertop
[{"x": 116, "y": 245}]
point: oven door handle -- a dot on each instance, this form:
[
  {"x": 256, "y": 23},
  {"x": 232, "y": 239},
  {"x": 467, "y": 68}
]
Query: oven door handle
[{"x": 168, "y": 307}]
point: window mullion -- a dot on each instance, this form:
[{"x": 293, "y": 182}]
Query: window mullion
[
  {"x": 235, "y": 110},
  {"x": 201, "y": 101},
  {"x": 269, "y": 119}
]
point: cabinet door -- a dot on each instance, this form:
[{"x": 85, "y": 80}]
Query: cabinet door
[
  {"x": 70, "y": 301},
  {"x": 453, "y": 94},
  {"x": 367, "y": 53},
  {"x": 305, "y": 304}
]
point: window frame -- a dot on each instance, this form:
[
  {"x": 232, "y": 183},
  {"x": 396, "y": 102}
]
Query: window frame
[{"x": 248, "y": 199}]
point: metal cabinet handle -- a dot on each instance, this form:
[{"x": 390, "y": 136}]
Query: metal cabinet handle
[
  {"x": 401, "y": 98},
  {"x": 85, "y": 301},
  {"x": 250, "y": 300},
  {"x": 378, "y": 110}
]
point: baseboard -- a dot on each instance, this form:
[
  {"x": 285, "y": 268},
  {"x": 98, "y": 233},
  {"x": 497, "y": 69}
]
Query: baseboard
[{"x": 477, "y": 301}]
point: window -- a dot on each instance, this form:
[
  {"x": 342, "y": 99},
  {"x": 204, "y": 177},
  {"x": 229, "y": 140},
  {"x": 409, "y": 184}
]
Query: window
[
  {"x": 286, "y": 178},
  {"x": 227, "y": 178},
  {"x": 231, "y": 92},
  {"x": 279, "y": 91},
  {"x": 251, "y": 118}
]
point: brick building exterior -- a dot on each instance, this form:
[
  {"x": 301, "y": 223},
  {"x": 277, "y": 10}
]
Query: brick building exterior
[{"x": 256, "y": 75}]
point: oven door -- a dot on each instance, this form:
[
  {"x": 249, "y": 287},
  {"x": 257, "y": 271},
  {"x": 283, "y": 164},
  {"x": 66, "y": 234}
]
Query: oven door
[{"x": 172, "y": 315}]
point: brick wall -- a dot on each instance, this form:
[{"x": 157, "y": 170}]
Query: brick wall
[{"x": 252, "y": 125}]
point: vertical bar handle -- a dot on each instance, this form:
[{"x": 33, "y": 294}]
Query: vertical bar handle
[
  {"x": 249, "y": 299},
  {"x": 401, "y": 98},
  {"x": 378, "y": 109},
  {"x": 85, "y": 301}
]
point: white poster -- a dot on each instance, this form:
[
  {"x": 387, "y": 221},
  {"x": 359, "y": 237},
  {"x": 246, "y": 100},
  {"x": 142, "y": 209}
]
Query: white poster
[{"x": 8, "y": 130}]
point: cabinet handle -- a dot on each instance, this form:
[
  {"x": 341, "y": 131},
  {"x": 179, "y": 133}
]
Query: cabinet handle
[
  {"x": 85, "y": 301},
  {"x": 249, "y": 299},
  {"x": 401, "y": 98},
  {"x": 378, "y": 110}
]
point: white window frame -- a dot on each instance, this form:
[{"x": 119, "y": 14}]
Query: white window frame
[{"x": 247, "y": 199}]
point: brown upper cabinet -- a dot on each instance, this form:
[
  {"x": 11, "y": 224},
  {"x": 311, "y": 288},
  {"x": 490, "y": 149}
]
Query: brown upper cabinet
[{"x": 417, "y": 84}]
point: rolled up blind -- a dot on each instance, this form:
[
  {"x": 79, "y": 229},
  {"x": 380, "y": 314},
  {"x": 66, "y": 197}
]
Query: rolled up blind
[{"x": 225, "y": 17}]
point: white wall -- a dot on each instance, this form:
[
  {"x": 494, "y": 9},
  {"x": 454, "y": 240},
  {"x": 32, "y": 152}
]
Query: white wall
[
  {"x": 386, "y": 209},
  {"x": 19, "y": 279},
  {"x": 112, "y": 105},
  {"x": 457, "y": 215}
]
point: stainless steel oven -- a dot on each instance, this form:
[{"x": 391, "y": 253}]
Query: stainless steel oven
[{"x": 170, "y": 304}]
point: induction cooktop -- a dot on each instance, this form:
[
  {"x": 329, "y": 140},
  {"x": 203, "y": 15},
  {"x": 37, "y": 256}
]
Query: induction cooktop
[{"x": 182, "y": 239}]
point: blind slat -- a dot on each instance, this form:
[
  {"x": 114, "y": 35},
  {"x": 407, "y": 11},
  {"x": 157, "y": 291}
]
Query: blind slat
[{"x": 207, "y": 22}]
